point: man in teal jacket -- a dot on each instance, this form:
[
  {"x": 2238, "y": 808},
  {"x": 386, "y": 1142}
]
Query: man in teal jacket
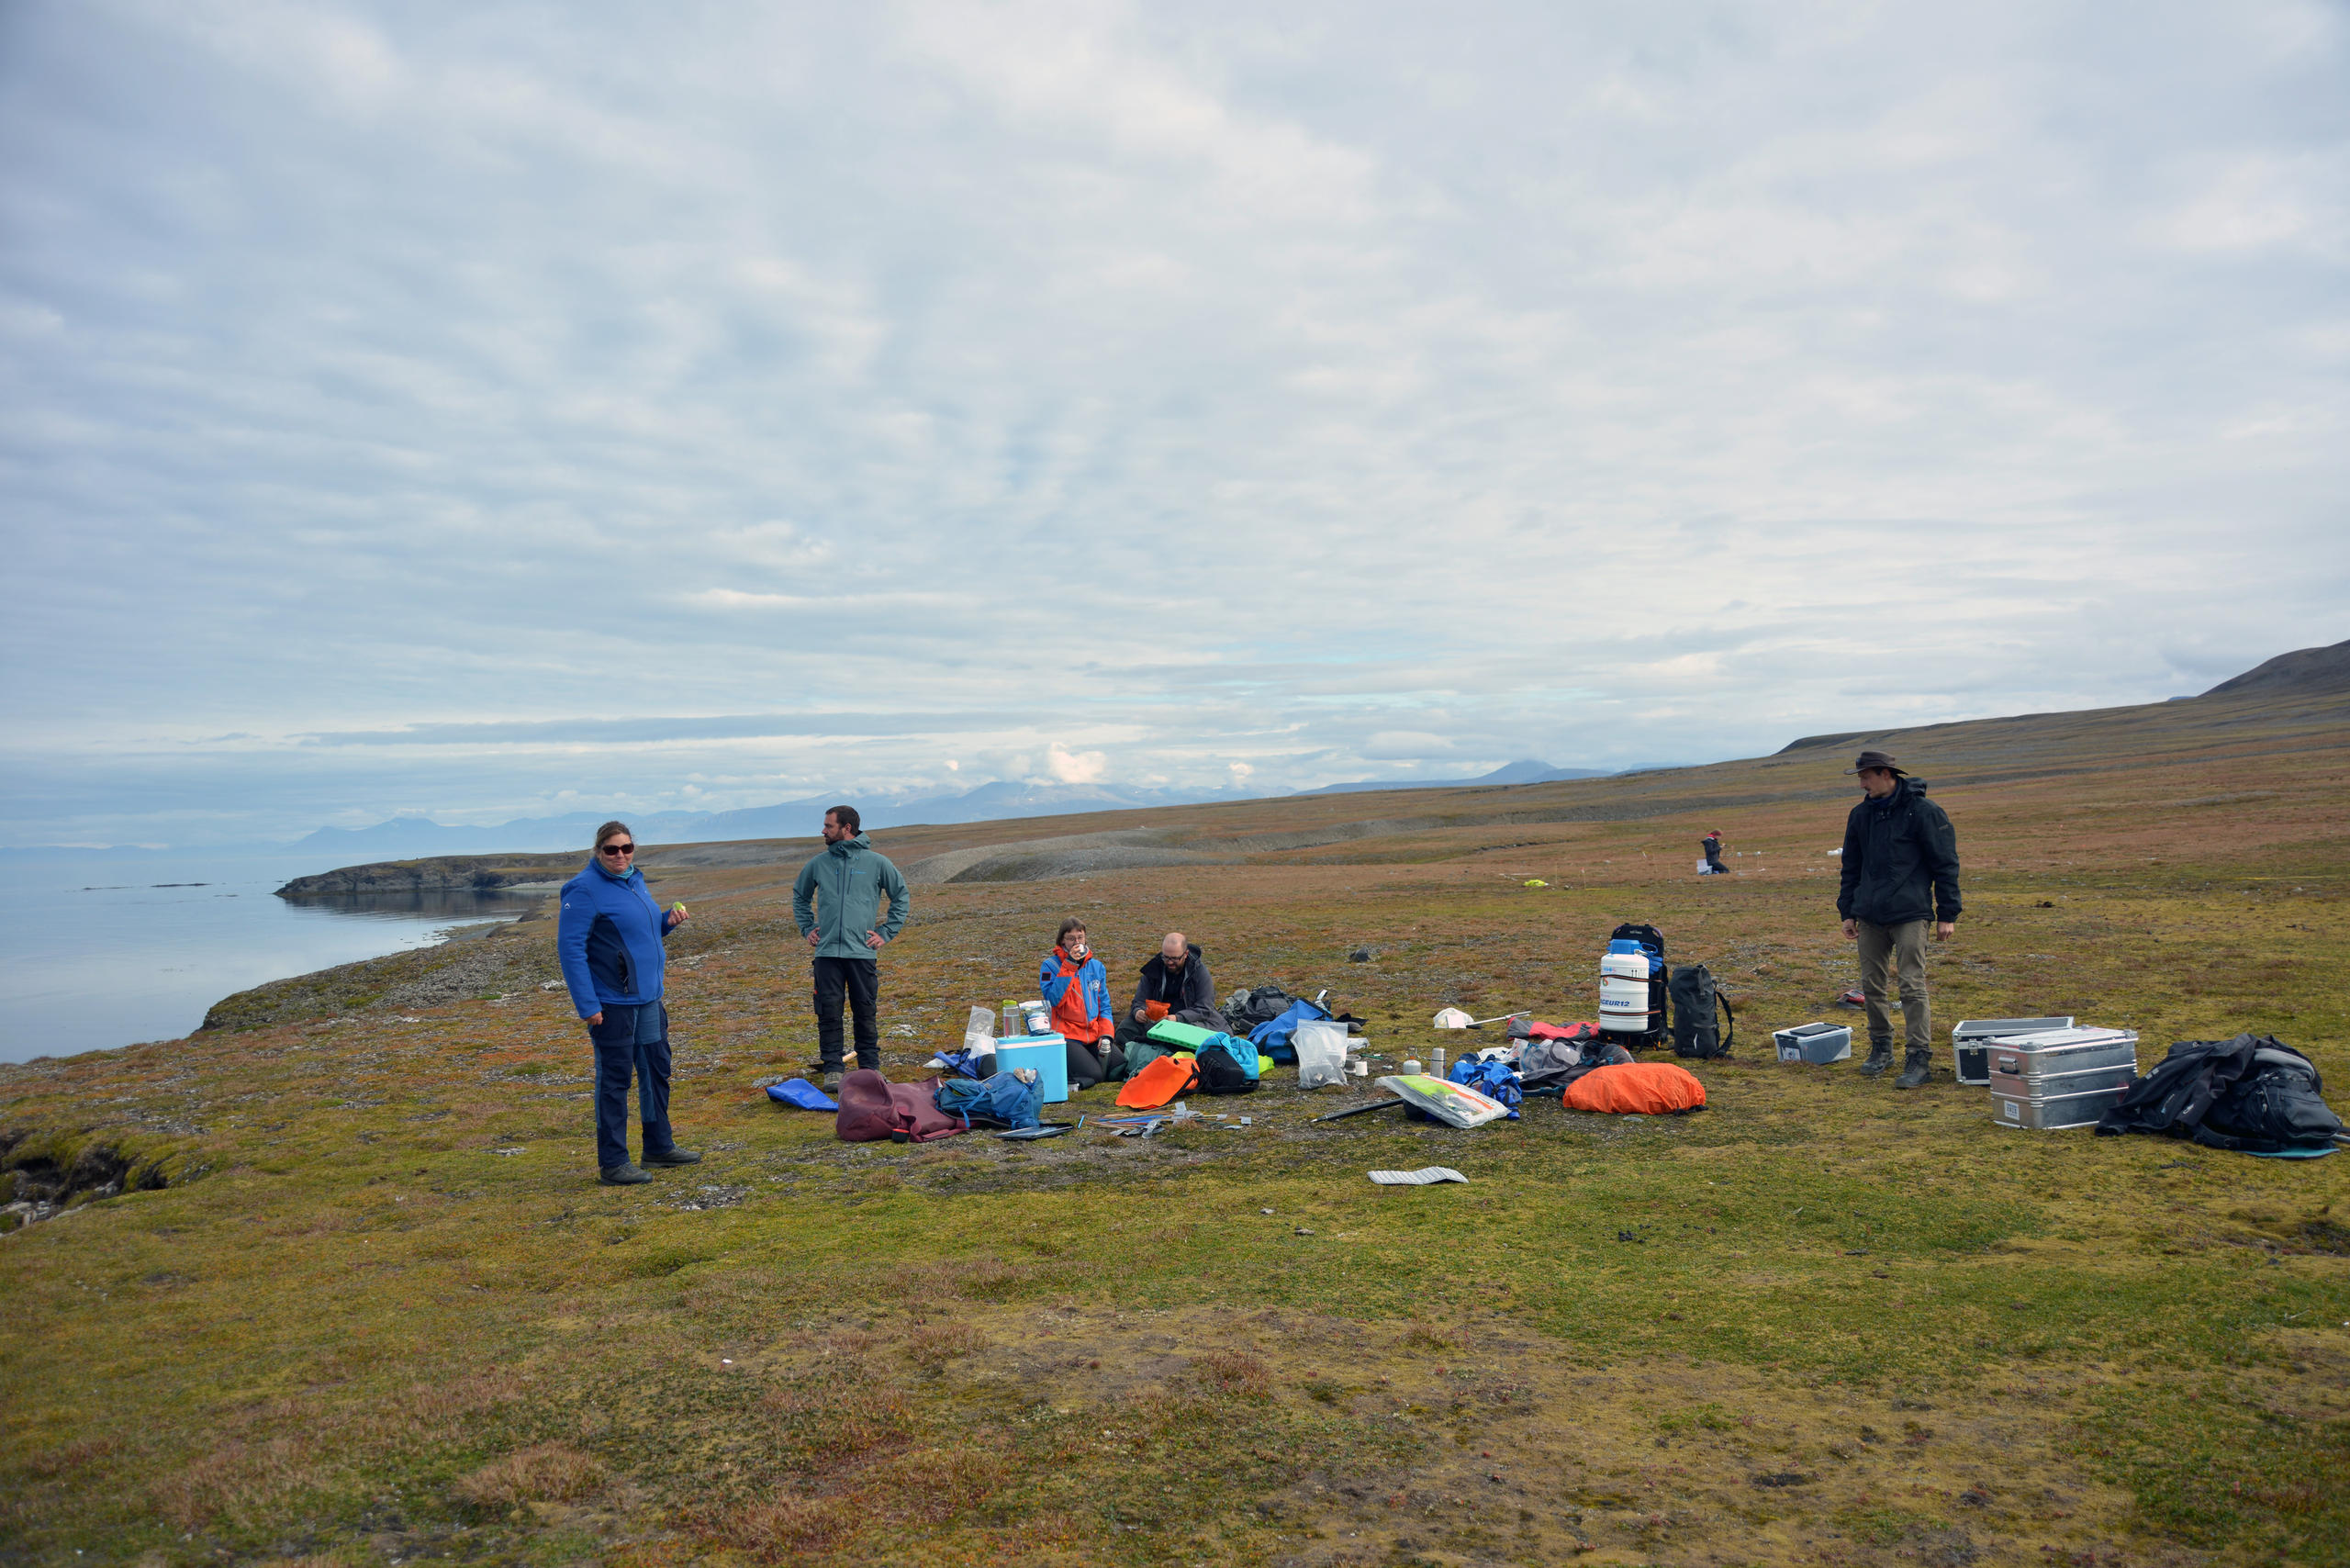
[{"x": 837, "y": 903}]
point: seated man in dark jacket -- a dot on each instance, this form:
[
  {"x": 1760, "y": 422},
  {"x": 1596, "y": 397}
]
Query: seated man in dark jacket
[
  {"x": 1900, "y": 873},
  {"x": 1175, "y": 985}
]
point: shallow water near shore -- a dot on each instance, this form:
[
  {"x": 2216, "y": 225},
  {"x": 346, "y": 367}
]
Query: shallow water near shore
[{"x": 105, "y": 951}]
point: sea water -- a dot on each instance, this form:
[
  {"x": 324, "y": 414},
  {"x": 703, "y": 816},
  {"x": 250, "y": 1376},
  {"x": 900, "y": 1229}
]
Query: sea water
[{"x": 111, "y": 949}]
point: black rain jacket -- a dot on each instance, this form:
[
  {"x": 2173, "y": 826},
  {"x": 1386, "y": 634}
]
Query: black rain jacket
[
  {"x": 1190, "y": 996},
  {"x": 1900, "y": 860}
]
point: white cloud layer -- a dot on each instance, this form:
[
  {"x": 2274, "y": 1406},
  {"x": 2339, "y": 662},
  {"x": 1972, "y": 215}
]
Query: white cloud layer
[{"x": 467, "y": 410}]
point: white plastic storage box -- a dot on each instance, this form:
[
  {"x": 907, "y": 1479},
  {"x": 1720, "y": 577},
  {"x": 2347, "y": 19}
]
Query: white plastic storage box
[
  {"x": 1969, "y": 1048},
  {"x": 1818, "y": 1043}
]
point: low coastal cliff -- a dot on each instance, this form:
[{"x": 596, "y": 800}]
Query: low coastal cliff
[{"x": 440, "y": 873}]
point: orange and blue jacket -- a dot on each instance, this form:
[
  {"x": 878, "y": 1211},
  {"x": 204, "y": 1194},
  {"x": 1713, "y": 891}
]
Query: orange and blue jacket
[{"x": 1078, "y": 995}]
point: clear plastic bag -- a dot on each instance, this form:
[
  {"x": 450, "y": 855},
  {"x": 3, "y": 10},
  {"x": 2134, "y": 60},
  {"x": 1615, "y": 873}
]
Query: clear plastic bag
[
  {"x": 1320, "y": 1053},
  {"x": 978, "y": 1033}
]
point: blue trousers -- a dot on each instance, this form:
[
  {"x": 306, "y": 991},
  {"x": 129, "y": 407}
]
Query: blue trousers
[{"x": 631, "y": 1041}]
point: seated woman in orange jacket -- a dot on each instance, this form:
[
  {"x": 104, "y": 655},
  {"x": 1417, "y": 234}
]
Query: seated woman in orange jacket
[{"x": 1076, "y": 988}]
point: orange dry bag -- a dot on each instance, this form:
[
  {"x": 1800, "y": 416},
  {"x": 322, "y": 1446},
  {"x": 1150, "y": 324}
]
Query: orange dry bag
[
  {"x": 1636, "y": 1089},
  {"x": 1159, "y": 1082}
]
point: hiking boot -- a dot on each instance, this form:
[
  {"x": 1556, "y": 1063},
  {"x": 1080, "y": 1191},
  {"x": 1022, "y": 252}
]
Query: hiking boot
[
  {"x": 672, "y": 1155},
  {"x": 1915, "y": 1071},
  {"x": 833, "y": 1082},
  {"x": 1880, "y": 1057},
  {"x": 625, "y": 1174}
]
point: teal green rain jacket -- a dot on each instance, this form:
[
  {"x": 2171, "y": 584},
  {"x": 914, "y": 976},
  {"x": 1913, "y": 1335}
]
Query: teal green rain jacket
[{"x": 838, "y": 894}]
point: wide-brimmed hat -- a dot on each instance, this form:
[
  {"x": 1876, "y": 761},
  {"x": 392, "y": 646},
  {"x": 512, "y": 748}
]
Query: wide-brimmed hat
[{"x": 1869, "y": 759}]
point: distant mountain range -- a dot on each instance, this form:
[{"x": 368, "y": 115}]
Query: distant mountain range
[
  {"x": 406, "y": 838},
  {"x": 1508, "y": 773}
]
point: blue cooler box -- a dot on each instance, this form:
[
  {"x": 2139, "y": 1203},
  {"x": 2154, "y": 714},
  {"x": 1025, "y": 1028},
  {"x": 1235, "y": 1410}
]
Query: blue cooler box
[{"x": 1048, "y": 1054}]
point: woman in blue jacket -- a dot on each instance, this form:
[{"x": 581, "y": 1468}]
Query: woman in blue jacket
[
  {"x": 1076, "y": 988},
  {"x": 609, "y": 939}
]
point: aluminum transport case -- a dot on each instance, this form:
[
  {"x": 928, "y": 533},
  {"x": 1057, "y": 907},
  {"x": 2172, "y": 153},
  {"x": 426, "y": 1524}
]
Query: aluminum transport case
[
  {"x": 2064, "y": 1077},
  {"x": 1972, "y": 1056},
  {"x": 1818, "y": 1043},
  {"x": 2064, "y": 1050}
]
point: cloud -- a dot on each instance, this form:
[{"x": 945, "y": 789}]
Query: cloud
[
  {"x": 420, "y": 405},
  {"x": 1081, "y": 767}
]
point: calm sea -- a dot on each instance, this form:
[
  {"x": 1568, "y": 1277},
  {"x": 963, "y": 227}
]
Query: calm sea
[{"x": 110, "y": 949}]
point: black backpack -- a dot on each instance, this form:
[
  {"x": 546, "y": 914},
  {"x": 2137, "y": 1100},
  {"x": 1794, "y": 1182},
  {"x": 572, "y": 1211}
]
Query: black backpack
[
  {"x": 2253, "y": 1094},
  {"x": 1693, "y": 1000},
  {"x": 1652, "y": 939},
  {"x": 1220, "y": 1071}
]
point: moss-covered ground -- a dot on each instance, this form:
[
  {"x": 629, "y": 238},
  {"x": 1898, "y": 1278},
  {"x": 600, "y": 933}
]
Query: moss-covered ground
[{"x": 379, "y": 1310}]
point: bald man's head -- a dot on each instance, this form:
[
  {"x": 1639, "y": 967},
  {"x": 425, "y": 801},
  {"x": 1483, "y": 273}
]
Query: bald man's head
[{"x": 1176, "y": 949}]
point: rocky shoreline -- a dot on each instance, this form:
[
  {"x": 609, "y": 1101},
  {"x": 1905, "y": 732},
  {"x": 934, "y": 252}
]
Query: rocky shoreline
[{"x": 475, "y": 963}]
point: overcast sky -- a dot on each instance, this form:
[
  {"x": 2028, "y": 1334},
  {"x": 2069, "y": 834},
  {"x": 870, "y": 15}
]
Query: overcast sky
[{"x": 492, "y": 410}]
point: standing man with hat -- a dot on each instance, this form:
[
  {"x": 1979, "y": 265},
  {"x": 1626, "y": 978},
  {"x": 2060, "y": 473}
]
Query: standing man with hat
[{"x": 1900, "y": 874}]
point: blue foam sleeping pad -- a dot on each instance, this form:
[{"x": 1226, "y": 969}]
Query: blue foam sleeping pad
[{"x": 800, "y": 1094}]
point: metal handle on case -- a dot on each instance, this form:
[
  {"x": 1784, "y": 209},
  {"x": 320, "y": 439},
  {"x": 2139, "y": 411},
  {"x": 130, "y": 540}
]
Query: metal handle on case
[{"x": 2009, "y": 1064}]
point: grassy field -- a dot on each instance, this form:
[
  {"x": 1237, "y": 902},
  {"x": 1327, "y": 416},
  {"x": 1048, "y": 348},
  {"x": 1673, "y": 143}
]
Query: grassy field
[{"x": 360, "y": 1299}]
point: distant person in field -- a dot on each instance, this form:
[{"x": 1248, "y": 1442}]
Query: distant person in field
[
  {"x": 1076, "y": 988},
  {"x": 1900, "y": 875},
  {"x": 1712, "y": 845},
  {"x": 837, "y": 903},
  {"x": 1174, "y": 984},
  {"x": 609, "y": 938}
]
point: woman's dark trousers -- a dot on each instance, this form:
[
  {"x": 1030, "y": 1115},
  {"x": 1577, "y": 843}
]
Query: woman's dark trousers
[
  {"x": 1092, "y": 1065},
  {"x": 630, "y": 1040},
  {"x": 858, "y": 982}
]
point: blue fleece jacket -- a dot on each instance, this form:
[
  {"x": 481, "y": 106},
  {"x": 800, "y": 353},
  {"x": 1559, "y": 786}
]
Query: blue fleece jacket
[{"x": 608, "y": 937}]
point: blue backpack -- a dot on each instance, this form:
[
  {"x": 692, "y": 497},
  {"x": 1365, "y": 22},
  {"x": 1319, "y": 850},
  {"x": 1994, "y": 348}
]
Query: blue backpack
[
  {"x": 1494, "y": 1080},
  {"x": 1227, "y": 1066},
  {"x": 1002, "y": 1100}
]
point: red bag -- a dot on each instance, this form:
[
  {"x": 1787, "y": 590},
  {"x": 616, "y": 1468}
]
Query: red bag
[
  {"x": 873, "y": 1108},
  {"x": 1577, "y": 1033},
  {"x": 1636, "y": 1089}
]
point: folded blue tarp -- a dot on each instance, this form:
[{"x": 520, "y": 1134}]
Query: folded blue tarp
[{"x": 1272, "y": 1036}]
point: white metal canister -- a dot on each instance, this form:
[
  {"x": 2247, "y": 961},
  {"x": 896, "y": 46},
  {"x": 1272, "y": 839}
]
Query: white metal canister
[
  {"x": 1624, "y": 1005},
  {"x": 1624, "y": 966}
]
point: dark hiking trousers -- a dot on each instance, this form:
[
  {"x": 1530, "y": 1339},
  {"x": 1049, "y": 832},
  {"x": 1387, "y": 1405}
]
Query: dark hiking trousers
[
  {"x": 631, "y": 1041},
  {"x": 858, "y": 982},
  {"x": 1892, "y": 954}
]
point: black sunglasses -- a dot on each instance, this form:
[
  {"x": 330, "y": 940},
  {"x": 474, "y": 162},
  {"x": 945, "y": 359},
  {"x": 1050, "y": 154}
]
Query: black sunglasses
[{"x": 618, "y": 849}]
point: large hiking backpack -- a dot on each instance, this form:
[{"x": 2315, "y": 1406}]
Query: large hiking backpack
[
  {"x": 1651, "y": 941},
  {"x": 1227, "y": 1066},
  {"x": 2253, "y": 1094},
  {"x": 1003, "y": 1100},
  {"x": 1695, "y": 1033}
]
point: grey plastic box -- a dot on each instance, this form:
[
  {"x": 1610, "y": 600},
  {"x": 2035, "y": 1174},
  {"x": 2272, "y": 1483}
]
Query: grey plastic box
[
  {"x": 1818, "y": 1043},
  {"x": 1969, "y": 1055}
]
